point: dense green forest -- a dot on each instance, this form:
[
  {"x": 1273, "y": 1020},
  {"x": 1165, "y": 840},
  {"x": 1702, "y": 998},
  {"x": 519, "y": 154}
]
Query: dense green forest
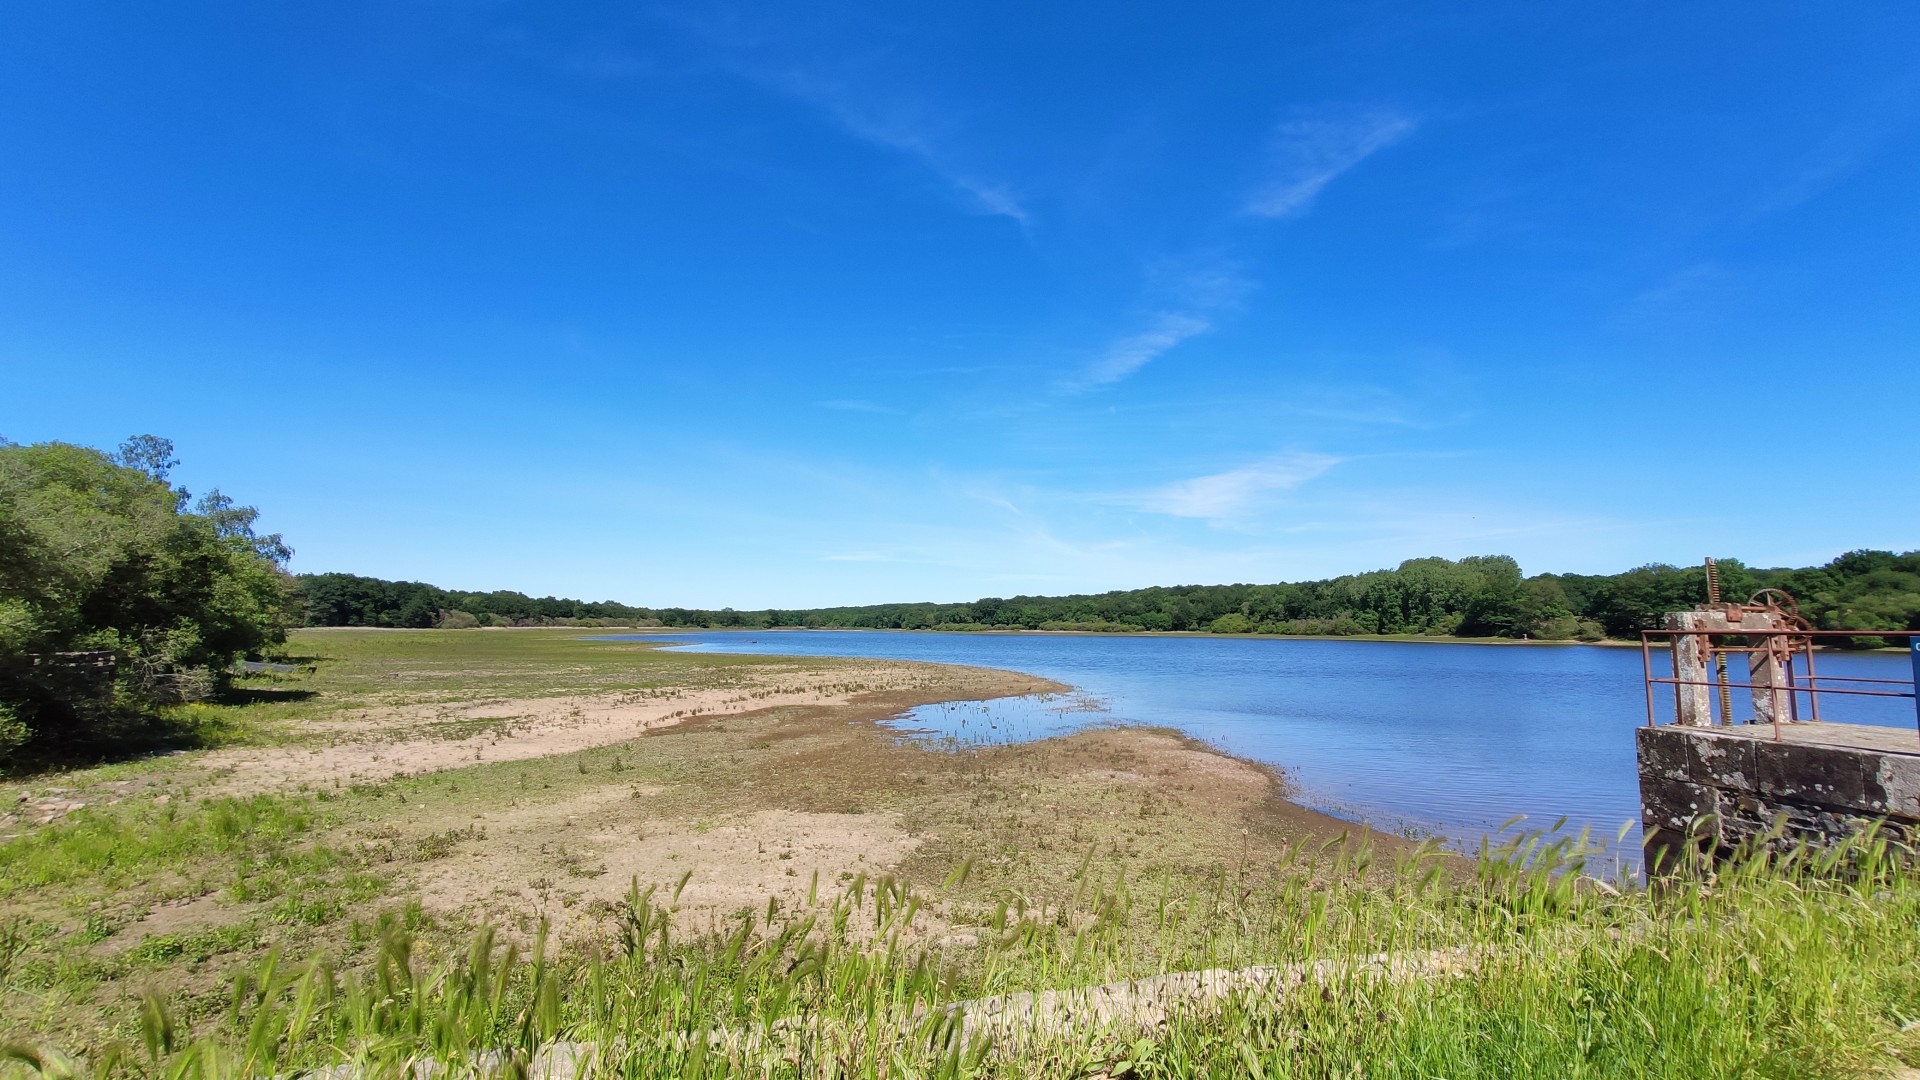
[
  {"x": 351, "y": 600},
  {"x": 1483, "y": 596}
]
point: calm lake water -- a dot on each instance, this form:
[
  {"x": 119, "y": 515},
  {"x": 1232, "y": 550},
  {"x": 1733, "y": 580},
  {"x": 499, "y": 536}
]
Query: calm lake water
[{"x": 1430, "y": 739}]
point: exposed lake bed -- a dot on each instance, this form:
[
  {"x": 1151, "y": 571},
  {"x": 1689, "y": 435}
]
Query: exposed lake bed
[
  {"x": 1407, "y": 738},
  {"x": 538, "y": 776}
]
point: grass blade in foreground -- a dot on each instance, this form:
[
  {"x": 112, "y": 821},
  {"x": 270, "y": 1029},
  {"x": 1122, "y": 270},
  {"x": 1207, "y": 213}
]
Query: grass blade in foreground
[{"x": 1774, "y": 966}]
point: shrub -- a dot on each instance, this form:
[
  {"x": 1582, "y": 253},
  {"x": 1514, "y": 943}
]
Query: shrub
[{"x": 12, "y": 731}]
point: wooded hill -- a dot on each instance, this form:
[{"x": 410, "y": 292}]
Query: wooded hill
[{"x": 1482, "y": 596}]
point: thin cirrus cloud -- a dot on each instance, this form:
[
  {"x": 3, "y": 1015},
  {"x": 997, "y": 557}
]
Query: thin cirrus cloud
[
  {"x": 896, "y": 127},
  {"x": 1197, "y": 297},
  {"x": 1309, "y": 152},
  {"x": 1222, "y": 495},
  {"x": 870, "y": 109},
  {"x": 912, "y": 138},
  {"x": 1314, "y": 148},
  {"x": 1135, "y": 351}
]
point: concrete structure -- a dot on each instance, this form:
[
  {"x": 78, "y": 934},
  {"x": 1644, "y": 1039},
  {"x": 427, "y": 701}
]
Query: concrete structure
[
  {"x": 1723, "y": 786},
  {"x": 1719, "y": 781},
  {"x": 1766, "y": 664}
]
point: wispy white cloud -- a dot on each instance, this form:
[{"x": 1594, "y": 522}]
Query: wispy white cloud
[
  {"x": 1135, "y": 351},
  {"x": 1193, "y": 298},
  {"x": 861, "y": 106},
  {"x": 1312, "y": 148},
  {"x": 1309, "y": 151},
  {"x": 849, "y": 91},
  {"x": 1223, "y": 495},
  {"x": 901, "y": 128},
  {"x": 992, "y": 496}
]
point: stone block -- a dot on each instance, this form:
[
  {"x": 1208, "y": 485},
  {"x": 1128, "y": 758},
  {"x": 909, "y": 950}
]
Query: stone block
[
  {"x": 1822, "y": 775},
  {"x": 1723, "y": 761},
  {"x": 1693, "y": 701},
  {"x": 1893, "y": 785},
  {"x": 1664, "y": 752},
  {"x": 1675, "y": 804}
]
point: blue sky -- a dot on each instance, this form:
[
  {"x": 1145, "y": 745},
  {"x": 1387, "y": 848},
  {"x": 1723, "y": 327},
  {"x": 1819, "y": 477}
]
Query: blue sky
[{"x": 841, "y": 303}]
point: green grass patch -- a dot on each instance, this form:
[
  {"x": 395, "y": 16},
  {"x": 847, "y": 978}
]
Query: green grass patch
[
  {"x": 1796, "y": 966},
  {"x": 111, "y": 846}
]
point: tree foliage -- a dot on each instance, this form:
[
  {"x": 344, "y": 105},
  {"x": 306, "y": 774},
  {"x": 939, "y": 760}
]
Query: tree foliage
[
  {"x": 115, "y": 597},
  {"x": 1480, "y": 596},
  {"x": 352, "y": 600}
]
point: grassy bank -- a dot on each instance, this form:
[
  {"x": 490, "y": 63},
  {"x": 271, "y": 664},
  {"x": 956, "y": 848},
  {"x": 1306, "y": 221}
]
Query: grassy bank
[{"x": 1330, "y": 968}]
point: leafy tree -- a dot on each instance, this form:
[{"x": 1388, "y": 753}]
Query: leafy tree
[
  {"x": 149, "y": 454},
  {"x": 1499, "y": 604},
  {"x": 113, "y": 598}
]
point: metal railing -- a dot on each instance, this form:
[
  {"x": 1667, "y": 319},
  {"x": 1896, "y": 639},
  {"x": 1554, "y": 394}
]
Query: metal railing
[{"x": 1792, "y": 653}]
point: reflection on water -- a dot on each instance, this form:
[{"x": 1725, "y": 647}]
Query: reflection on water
[{"x": 1447, "y": 739}]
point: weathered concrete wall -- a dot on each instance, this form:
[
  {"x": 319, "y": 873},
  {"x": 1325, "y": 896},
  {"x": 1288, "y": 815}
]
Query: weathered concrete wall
[{"x": 1731, "y": 784}]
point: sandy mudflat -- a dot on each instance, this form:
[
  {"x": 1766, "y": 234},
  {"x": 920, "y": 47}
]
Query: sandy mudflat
[{"x": 378, "y": 744}]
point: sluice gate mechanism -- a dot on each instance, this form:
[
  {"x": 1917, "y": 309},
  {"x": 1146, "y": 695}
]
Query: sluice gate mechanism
[{"x": 1774, "y": 764}]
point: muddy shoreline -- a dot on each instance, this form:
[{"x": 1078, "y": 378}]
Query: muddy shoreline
[{"x": 455, "y": 788}]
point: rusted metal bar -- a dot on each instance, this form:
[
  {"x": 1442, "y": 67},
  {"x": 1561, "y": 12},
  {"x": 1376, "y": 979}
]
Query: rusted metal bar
[
  {"x": 1673, "y": 655},
  {"x": 1813, "y": 679},
  {"x": 1769, "y": 631},
  {"x": 1793, "y": 702},
  {"x": 1719, "y": 657},
  {"x": 1796, "y": 632},
  {"x": 1763, "y": 686},
  {"x": 1646, "y": 665}
]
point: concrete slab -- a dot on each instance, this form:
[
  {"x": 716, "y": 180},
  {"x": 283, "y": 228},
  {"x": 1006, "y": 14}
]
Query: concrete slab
[{"x": 1882, "y": 740}]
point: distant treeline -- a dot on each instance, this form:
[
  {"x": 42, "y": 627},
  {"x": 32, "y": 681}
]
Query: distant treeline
[
  {"x": 352, "y": 600},
  {"x": 1482, "y": 596}
]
